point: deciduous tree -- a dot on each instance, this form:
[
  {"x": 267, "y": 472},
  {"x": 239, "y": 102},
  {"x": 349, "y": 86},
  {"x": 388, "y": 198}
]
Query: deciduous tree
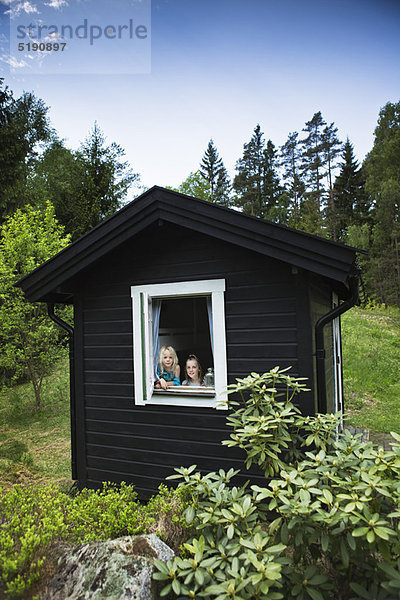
[
  {"x": 58, "y": 179},
  {"x": 23, "y": 126},
  {"x": 30, "y": 342},
  {"x": 195, "y": 185}
]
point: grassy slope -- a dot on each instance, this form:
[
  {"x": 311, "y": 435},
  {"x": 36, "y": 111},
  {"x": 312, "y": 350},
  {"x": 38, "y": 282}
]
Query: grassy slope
[
  {"x": 35, "y": 445},
  {"x": 371, "y": 368}
]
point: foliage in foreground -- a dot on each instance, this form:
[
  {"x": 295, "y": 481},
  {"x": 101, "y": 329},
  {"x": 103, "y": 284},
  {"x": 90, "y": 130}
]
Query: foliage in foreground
[
  {"x": 34, "y": 521},
  {"x": 324, "y": 526}
]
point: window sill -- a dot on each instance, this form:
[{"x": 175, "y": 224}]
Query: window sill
[
  {"x": 186, "y": 391},
  {"x": 198, "y": 398}
]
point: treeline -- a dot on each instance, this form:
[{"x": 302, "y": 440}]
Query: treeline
[
  {"x": 84, "y": 186},
  {"x": 313, "y": 182},
  {"x": 49, "y": 196}
]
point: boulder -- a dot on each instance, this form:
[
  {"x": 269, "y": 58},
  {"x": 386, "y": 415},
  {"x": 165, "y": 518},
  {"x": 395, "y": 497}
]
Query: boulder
[{"x": 119, "y": 569}]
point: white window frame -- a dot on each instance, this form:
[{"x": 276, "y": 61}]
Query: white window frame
[{"x": 143, "y": 347}]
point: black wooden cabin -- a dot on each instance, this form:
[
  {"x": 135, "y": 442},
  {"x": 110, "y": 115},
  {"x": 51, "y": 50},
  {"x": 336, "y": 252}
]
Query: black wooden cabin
[{"x": 242, "y": 293}]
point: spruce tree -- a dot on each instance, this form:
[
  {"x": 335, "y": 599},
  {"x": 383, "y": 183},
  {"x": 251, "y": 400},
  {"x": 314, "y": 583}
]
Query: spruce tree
[
  {"x": 257, "y": 185},
  {"x": 105, "y": 179},
  {"x": 222, "y": 193},
  {"x": 272, "y": 190},
  {"x": 248, "y": 183},
  {"x": 382, "y": 167},
  {"x": 350, "y": 201},
  {"x": 214, "y": 172},
  {"x": 385, "y": 252}
]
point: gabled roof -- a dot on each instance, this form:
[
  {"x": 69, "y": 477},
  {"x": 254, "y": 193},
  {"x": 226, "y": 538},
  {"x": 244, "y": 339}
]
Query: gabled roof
[{"x": 317, "y": 255}]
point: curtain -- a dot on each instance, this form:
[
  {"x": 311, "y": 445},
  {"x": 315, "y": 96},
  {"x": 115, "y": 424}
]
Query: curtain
[
  {"x": 210, "y": 322},
  {"x": 156, "y": 327}
]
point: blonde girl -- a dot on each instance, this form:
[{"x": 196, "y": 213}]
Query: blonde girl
[
  {"x": 168, "y": 369},
  {"x": 193, "y": 372}
]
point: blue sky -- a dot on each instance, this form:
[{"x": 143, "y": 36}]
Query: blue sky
[{"x": 217, "y": 69}]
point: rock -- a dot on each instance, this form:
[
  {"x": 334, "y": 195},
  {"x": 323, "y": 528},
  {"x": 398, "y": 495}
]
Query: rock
[{"x": 119, "y": 569}]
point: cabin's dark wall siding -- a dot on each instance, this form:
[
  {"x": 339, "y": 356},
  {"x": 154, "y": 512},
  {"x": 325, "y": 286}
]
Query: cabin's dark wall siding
[{"x": 267, "y": 324}]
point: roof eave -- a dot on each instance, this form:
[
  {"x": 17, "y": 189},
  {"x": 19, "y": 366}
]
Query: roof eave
[{"x": 302, "y": 250}]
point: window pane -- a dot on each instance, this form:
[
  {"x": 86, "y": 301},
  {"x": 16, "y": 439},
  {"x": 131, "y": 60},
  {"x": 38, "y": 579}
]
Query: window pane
[{"x": 184, "y": 325}]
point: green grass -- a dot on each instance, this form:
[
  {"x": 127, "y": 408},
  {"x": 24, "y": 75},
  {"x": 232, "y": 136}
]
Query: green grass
[
  {"x": 371, "y": 368},
  {"x": 35, "y": 444}
]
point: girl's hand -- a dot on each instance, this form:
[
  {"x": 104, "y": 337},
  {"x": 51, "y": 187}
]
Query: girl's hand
[{"x": 163, "y": 384}]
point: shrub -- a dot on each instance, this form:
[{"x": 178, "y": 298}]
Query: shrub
[
  {"x": 104, "y": 514},
  {"x": 33, "y": 521},
  {"x": 165, "y": 514},
  {"x": 325, "y": 525}
]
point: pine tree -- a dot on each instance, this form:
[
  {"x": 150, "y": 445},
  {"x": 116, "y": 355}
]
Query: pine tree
[
  {"x": 214, "y": 172},
  {"x": 331, "y": 147},
  {"x": 291, "y": 161},
  {"x": 313, "y": 165}
]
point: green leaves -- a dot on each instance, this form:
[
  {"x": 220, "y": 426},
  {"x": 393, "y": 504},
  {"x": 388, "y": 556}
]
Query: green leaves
[
  {"x": 326, "y": 516},
  {"x": 30, "y": 342},
  {"x": 33, "y": 519},
  {"x": 189, "y": 514}
]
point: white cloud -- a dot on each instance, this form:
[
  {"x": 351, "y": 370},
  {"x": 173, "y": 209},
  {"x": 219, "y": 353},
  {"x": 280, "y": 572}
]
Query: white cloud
[
  {"x": 57, "y": 4},
  {"x": 16, "y": 8},
  {"x": 51, "y": 37},
  {"x": 13, "y": 62}
]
